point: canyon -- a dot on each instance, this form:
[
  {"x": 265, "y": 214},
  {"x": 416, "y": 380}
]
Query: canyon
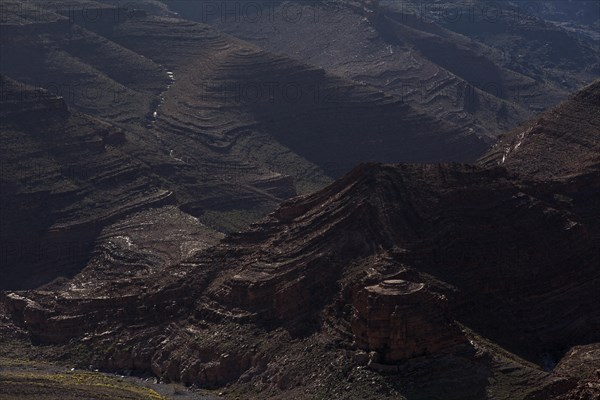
[
  {"x": 382, "y": 273},
  {"x": 215, "y": 203}
]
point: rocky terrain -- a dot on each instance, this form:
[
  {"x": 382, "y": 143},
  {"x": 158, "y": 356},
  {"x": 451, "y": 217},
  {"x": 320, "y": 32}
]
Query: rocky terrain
[
  {"x": 567, "y": 130},
  {"x": 412, "y": 280},
  {"x": 273, "y": 218},
  {"x": 66, "y": 179},
  {"x": 486, "y": 66},
  {"x": 169, "y": 109}
]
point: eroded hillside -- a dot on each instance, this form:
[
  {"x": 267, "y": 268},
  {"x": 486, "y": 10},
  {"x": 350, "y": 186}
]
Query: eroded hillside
[
  {"x": 139, "y": 149},
  {"x": 443, "y": 280},
  {"x": 486, "y": 66},
  {"x": 182, "y": 115}
]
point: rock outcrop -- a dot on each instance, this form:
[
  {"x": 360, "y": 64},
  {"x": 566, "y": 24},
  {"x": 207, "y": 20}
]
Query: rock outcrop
[
  {"x": 567, "y": 135},
  {"x": 145, "y": 109},
  {"x": 399, "y": 320},
  {"x": 456, "y": 61},
  {"x": 447, "y": 280},
  {"x": 402, "y": 286}
]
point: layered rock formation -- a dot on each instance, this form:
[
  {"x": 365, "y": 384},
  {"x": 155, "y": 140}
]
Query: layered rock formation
[
  {"x": 64, "y": 175},
  {"x": 168, "y": 99},
  {"x": 412, "y": 280},
  {"x": 399, "y": 320},
  {"x": 462, "y": 62},
  {"x": 388, "y": 260},
  {"x": 567, "y": 135},
  {"x": 553, "y": 41}
]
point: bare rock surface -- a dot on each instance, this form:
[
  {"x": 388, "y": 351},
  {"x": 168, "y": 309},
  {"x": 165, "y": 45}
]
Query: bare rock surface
[
  {"x": 458, "y": 61},
  {"x": 145, "y": 109},
  {"x": 408, "y": 280}
]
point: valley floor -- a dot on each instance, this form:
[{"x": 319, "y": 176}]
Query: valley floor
[{"x": 22, "y": 378}]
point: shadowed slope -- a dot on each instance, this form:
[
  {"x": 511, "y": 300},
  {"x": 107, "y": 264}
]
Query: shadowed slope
[
  {"x": 559, "y": 144},
  {"x": 433, "y": 64},
  {"x": 468, "y": 256}
]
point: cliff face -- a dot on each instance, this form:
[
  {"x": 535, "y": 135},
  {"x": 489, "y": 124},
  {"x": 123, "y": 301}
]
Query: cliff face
[
  {"x": 390, "y": 267},
  {"x": 67, "y": 179},
  {"x": 409, "y": 276},
  {"x": 486, "y": 67},
  {"x": 567, "y": 135},
  {"x": 399, "y": 320},
  {"x": 156, "y": 110},
  {"x": 417, "y": 215},
  {"x": 411, "y": 280}
]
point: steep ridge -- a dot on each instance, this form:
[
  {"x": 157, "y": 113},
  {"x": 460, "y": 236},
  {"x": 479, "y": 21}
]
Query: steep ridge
[
  {"x": 418, "y": 281},
  {"x": 98, "y": 76},
  {"x": 273, "y": 145},
  {"x": 554, "y": 41},
  {"x": 59, "y": 183},
  {"x": 66, "y": 176},
  {"x": 266, "y": 92},
  {"x": 395, "y": 235},
  {"x": 567, "y": 137},
  {"x": 445, "y": 280},
  {"x": 396, "y": 47},
  {"x": 45, "y": 47},
  {"x": 423, "y": 224},
  {"x": 561, "y": 147}
]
